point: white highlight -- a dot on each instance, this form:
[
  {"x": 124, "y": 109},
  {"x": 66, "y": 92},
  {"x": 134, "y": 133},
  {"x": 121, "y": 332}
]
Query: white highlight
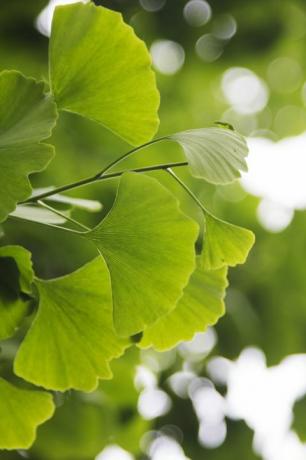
[
  {"x": 277, "y": 175},
  {"x": 44, "y": 20},
  {"x": 168, "y": 56},
  {"x": 153, "y": 403},
  {"x": 264, "y": 398},
  {"x": 114, "y": 453},
  {"x": 197, "y": 12},
  {"x": 244, "y": 90}
]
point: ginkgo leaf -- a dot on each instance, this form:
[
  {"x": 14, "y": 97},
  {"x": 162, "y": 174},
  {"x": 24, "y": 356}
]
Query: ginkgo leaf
[
  {"x": 200, "y": 306},
  {"x": 148, "y": 245},
  {"x": 101, "y": 70},
  {"x": 21, "y": 412},
  {"x": 27, "y": 116},
  {"x": 214, "y": 154},
  {"x": 16, "y": 277},
  {"x": 224, "y": 243},
  {"x": 71, "y": 340}
]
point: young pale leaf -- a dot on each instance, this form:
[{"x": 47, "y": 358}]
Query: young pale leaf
[
  {"x": 200, "y": 306},
  {"x": 214, "y": 154},
  {"x": 101, "y": 70},
  {"x": 224, "y": 243},
  {"x": 36, "y": 214},
  {"x": 71, "y": 340},
  {"x": 21, "y": 412},
  {"x": 16, "y": 277},
  {"x": 148, "y": 245},
  {"x": 81, "y": 203},
  {"x": 27, "y": 116}
]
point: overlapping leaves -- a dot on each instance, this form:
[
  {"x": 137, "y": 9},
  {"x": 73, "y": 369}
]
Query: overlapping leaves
[
  {"x": 145, "y": 239},
  {"x": 145, "y": 278}
]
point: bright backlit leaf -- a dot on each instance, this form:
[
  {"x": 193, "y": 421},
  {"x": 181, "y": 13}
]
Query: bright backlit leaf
[
  {"x": 16, "y": 277},
  {"x": 27, "y": 116},
  {"x": 102, "y": 71},
  {"x": 200, "y": 306},
  {"x": 148, "y": 245},
  {"x": 224, "y": 243},
  {"x": 71, "y": 340},
  {"x": 214, "y": 154},
  {"x": 21, "y": 412}
]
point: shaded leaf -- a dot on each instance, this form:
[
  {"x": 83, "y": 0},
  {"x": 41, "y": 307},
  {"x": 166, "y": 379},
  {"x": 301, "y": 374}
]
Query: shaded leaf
[
  {"x": 21, "y": 412},
  {"x": 71, "y": 340},
  {"x": 214, "y": 154},
  {"x": 22, "y": 258},
  {"x": 148, "y": 245},
  {"x": 200, "y": 306},
  {"x": 27, "y": 116},
  {"x": 224, "y": 243},
  {"x": 102, "y": 71},
  {"x": 16, "y": 277}
]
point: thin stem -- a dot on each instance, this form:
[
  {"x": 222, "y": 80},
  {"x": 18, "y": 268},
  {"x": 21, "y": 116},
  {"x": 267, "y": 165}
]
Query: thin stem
[
  {"x": 94, "y": 179},
  {"x": 70, "y": 219},
  {"x": 127, "y": 154},
  {"x": 187, "y": 189}
]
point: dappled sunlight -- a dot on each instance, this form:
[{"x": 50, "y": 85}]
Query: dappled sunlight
[{"x": 277, "y": 175}]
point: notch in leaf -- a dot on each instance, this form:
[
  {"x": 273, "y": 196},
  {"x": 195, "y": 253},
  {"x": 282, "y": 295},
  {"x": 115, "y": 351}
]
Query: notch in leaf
[
  {"x": 148, "y": 245},
  {"x": 27, "y": 117}
]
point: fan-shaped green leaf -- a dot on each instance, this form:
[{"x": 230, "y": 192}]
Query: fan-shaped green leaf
[
  {"x": 101, "y": 70},
  {"x": 148, "y": 245},
  {"x": 27, "y": 116},
  {"x": 21, "y": 412},
  {"x": 16, "y": 277},
  {"x": 71, "y": 340},
  {"x": 224, "y": 243},
  {"x": 200, "y": 306},
  {"x": 214, "y": 154}
]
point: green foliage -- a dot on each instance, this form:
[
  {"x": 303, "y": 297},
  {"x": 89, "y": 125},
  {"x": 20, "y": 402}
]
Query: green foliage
[
  {"x": 71, "y": 340},
  {"x": 101, "y": 70},
  {"x": 224, "y": 243},
  {"x": 21, "y": 412},
  {"x": 147, "y": 278},
  {"x": 27, "y": 116},
  {"x": 200, "y": 306},
  {"x": 144, "y": 240}
]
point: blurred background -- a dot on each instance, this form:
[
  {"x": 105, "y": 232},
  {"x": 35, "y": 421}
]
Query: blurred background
[{"x": 237, "y": 390}]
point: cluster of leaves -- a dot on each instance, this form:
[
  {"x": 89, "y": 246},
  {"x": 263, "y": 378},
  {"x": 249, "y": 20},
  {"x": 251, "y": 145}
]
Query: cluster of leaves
[{"x": 147, "y": 279}]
